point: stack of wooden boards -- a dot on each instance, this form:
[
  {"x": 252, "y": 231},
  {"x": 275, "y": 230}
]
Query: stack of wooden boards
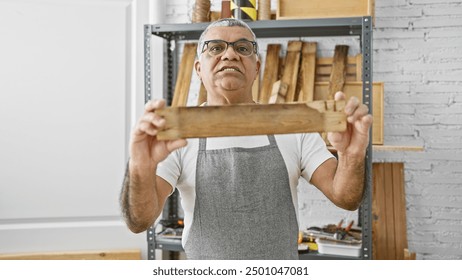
[
  {"x": 389, "y": 227},
  {"x": 300, "y": 76}
]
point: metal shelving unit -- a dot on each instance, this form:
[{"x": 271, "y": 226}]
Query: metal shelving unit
[{"x": 353, "y": 26}]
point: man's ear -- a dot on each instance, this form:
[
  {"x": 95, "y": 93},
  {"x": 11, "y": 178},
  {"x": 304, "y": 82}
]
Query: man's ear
[
  {"x": 258, "y": 68},
  {"x": 197, "y": 67}
]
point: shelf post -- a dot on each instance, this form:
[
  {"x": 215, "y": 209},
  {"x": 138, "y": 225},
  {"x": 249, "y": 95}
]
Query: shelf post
[{"x": 366, "y": 206}]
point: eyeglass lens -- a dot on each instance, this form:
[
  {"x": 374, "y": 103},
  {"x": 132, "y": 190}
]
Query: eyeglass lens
[{"x": 242, "y": 47}]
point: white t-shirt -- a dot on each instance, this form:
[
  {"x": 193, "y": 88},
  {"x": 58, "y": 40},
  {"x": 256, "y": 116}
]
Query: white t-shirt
[{"x": 302, "y": 153}]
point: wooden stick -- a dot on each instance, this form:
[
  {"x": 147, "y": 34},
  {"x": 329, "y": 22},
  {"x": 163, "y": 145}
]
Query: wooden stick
[
  {"x": 180, "y": 96},
  {"x": 202, "y": 95},
  {"x": 307, "y": 71},
  {"x": 290, "y": 74},
  {"x": 251, "y": 119},
  {"x": 337, "y": 77},
  {"x": 270, "y": 75}
]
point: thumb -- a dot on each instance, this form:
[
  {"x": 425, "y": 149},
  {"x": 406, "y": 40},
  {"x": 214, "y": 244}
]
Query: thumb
[{"x": 176, "y": 144}]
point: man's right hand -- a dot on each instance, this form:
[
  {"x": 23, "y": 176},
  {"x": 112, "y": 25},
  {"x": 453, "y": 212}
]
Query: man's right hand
[{"x": 145, "y": 149}]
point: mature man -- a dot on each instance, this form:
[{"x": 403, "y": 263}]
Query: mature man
[{"x": 239, "y": 193}]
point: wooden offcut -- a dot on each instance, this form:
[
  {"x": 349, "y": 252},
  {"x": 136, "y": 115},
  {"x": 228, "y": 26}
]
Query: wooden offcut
[
  {"x": 290, "y": 73},
  {"x": 300, "y": 9},
  {"x": 251, "y": 119},
  {"x": 389, "y": 212},
  {"x": 183, "y": 82},
  {"x": 202, "y": 95},
  {"x": 270, "y": 74},
  {"x": 353, "y": 68},
  {"x": 356, "y": 89},
  {"x": 256, "y": 88},
  {"x": 307, "y": 72},
  {"x": 338, "y": 74}
]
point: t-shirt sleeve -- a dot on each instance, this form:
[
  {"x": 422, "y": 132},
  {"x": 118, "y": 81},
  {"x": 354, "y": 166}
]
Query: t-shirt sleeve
[
  {"x": 314, "y": 153},
  {"x": 170, "y": 169}
]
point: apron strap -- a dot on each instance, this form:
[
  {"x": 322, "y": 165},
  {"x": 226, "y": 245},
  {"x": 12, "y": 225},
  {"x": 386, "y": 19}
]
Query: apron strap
[{"x": 202, "y": 144}]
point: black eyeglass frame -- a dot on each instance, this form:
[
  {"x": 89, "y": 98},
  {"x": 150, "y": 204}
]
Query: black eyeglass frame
[{"x": 254, "y": 44}]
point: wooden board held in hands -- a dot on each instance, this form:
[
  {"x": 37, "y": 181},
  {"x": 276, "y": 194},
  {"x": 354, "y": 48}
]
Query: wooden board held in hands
[{"x": 252, "y": 119}]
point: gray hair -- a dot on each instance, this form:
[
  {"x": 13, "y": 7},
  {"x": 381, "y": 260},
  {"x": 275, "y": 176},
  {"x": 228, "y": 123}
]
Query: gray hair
[{"x": 225, "y": 22}]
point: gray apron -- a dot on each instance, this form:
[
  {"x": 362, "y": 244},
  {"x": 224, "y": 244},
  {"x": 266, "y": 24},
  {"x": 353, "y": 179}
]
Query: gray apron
[{"x": 243, "y": 207}]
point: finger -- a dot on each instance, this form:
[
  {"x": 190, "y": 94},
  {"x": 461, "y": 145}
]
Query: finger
[
  {"x": 351, "y": 105},
  {"x": 146, "y": 128},
  {"x": 366, "y": 123},
  {"x": 176, "y": 144},
  {"x": 360, "y": 111},
  {"x": 154, "y": 119},
  {"x": 152, "y": 105},
  {"x": 339, "y": 96}
]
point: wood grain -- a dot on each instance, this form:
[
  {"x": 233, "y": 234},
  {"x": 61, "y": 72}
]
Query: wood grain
[
  {"x": 353, "y": 68},
  {"x": 290, "y": 73},
  {"x": 338, "y": 74},
  {"x": 389, "y": 212},
  {"x": 399, "y": 210},
  {"x": 202, "y": 95},
  {"x": 251, "y": 119},
  {"x": 270, "y": 74},
  {"x": 183, "y": 82},
  {"x": 307, "y": 72}
]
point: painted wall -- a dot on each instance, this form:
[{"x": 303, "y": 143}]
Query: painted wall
[{"x": 71, "y": 86}]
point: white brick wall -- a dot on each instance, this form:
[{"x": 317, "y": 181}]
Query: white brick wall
[
  {"x": 423, "y": 97},
  {"x": 417, "y": 53}
]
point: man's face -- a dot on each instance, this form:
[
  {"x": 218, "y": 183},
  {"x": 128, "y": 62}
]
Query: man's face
[{"x": 228, "y": 73}]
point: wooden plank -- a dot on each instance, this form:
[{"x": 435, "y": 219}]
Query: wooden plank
[
  {"x": 84, "y": 255},
  {"x": 389, "y": 208},
  {"x": 256, "y": 88},
  {"x": 274, "y": 92},
  {"x": 382, "y": 148},
  {"x": 250, "y": 119},
  {"x": 290, "y": 74},
  {"x": 180, "y": 96},
  {"x": 270, "y": 74},
  {"x": 389, "y": 212},
  {"x": 337, "y": 76},
  {"x": 379, "y": 226},
  {"x": 202, "y": 95},
  {"x": 353, "y": 68},
  {"x": 356, "y": 89},
  {"x": 307, "y": 72},
  {"x": 399, "y": 209},
  {"x": 289, "y": 9},
  {"x": 409, "y": 255}
]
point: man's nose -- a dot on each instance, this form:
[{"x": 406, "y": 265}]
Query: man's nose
[{"x": 230, "y": 53}]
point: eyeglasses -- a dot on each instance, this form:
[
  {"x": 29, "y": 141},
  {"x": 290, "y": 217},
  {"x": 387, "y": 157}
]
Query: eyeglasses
[{"x": 243, "y": 47}]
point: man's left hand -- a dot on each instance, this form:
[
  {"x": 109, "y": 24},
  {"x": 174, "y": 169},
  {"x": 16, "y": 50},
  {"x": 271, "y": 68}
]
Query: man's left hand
[{"x": 355, "y": 139}]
